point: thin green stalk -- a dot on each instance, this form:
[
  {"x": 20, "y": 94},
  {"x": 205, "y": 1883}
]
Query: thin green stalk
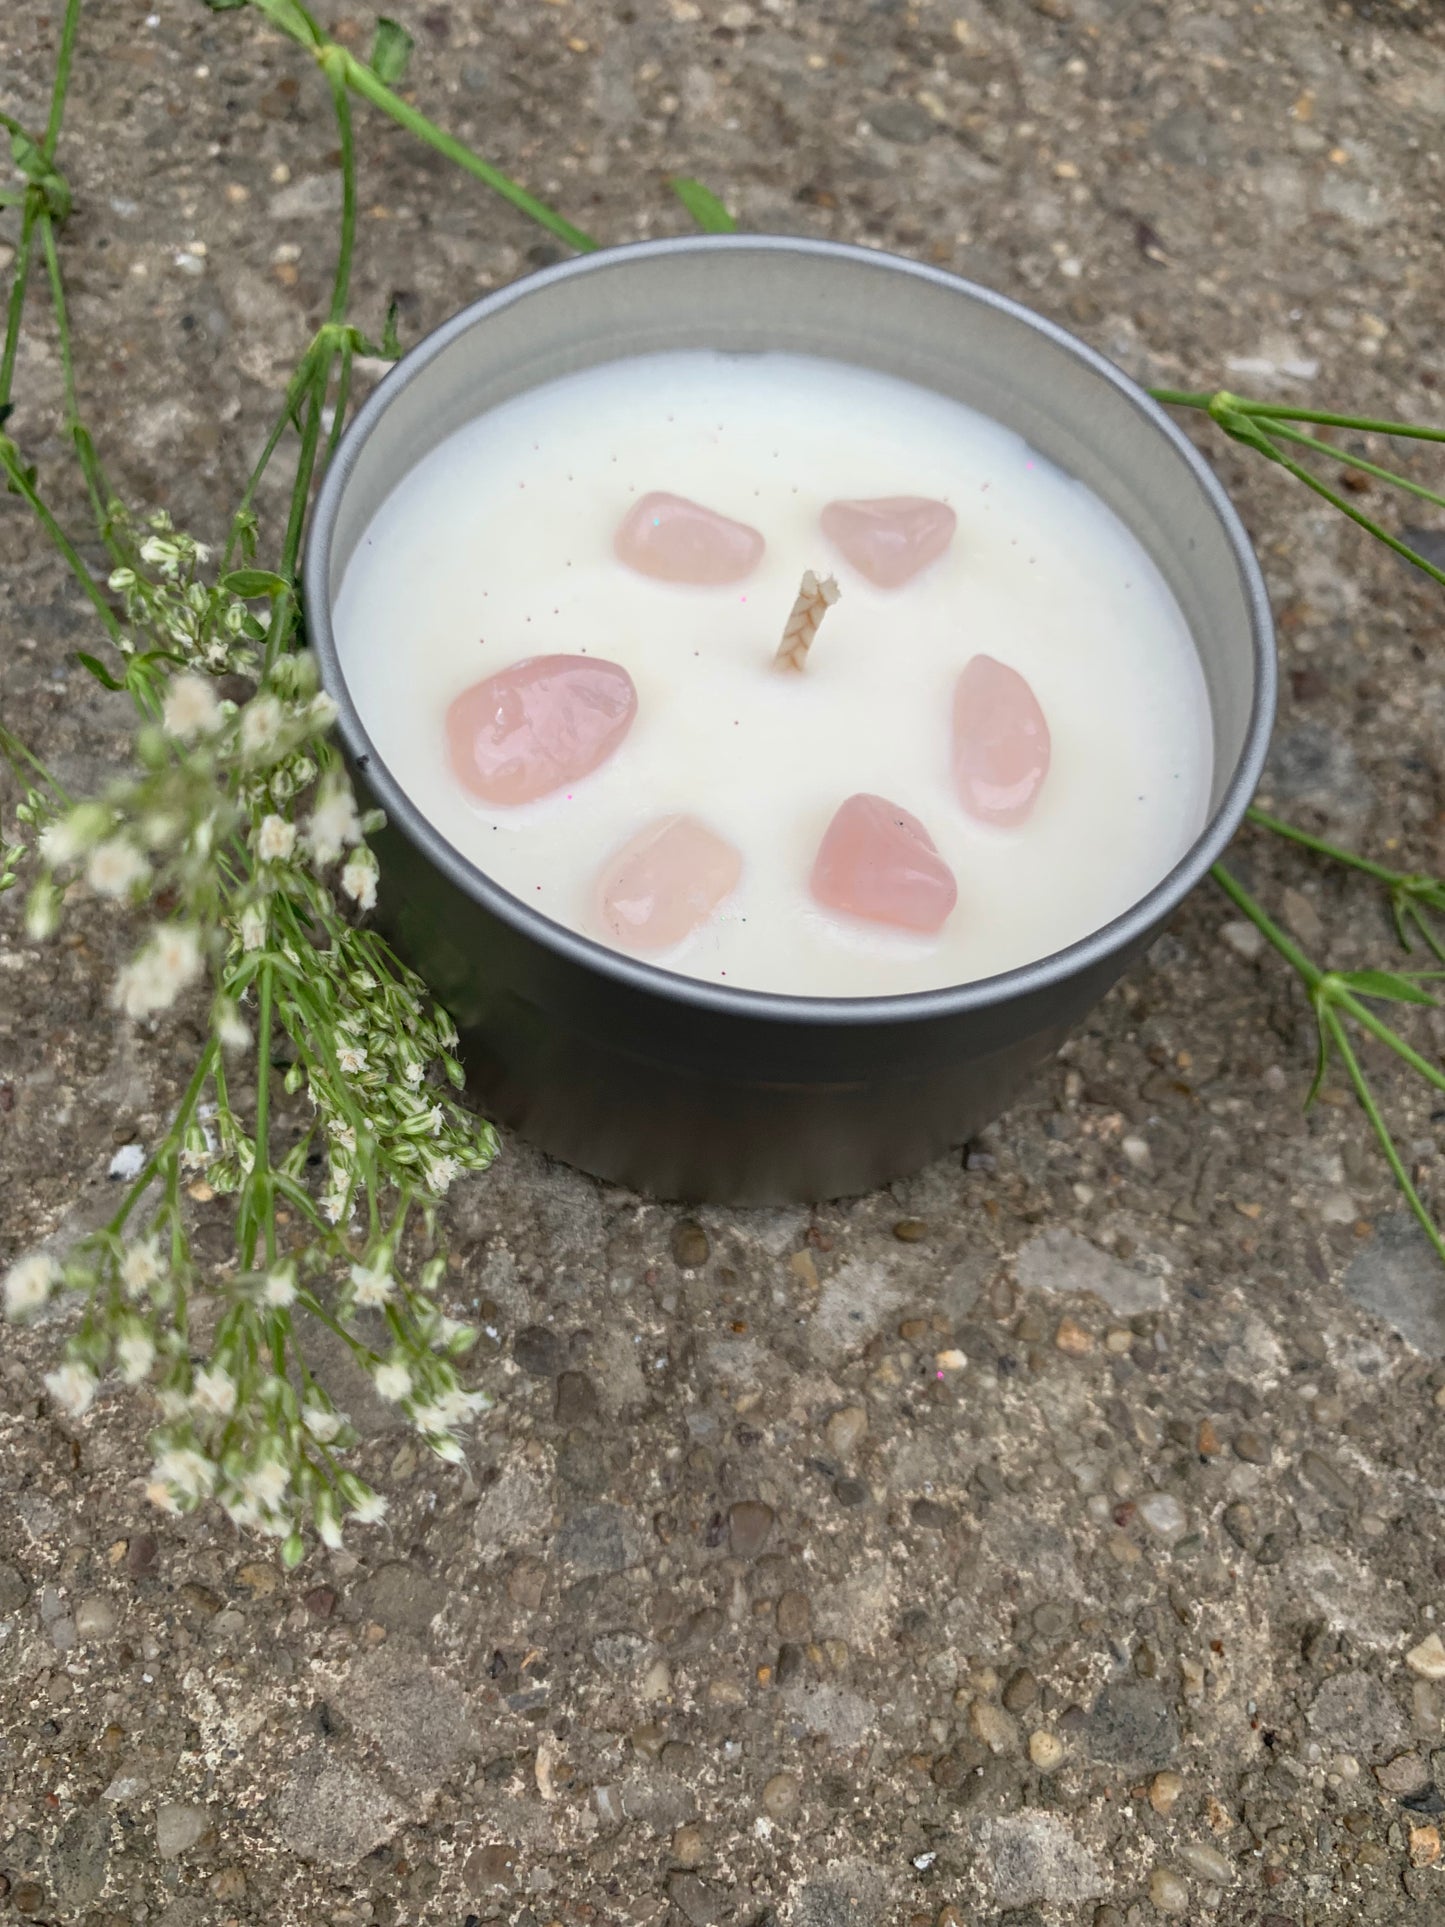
[
  {"x": 296, "y": 390},
  {"x": 27, "y": 767},
  {"x": 364, "y": 82},
  {"x": 341, "y": 283},
  {"x": 1209, "y": 400},
  {"x": 60, "y": 87},
  {"x": 16, "y": 306},
  {"x": 284, "y": 612},
  {"x": 1318, "y": 844},
  {"x": 20, "y": 480},
  {"x": 95, "y": 482},
  {"x": 1302, "y": 474},
  {"x": 261, "y": 1175},
  {"x": 1286, "y": 946},
  {"x": 179, "y": 1122},
  {"x": 1378, "y": 1028},
  {"x": 1340, "y": 1038},
  {"x": 1278, "y": 431}
]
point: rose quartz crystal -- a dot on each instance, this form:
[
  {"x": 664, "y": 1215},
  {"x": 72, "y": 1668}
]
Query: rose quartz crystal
[
  {"x": 667, "y": 881},
  {"x": 891, "y": 539},
  {"x": 546, "y": 721},
  {"x": 1000, "y": 742},
  {"x": 680, "y": 541},
  {"x": 877, "y": 861}
]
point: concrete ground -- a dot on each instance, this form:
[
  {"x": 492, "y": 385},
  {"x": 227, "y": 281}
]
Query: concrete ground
[{"x": 750, "y": 1611}]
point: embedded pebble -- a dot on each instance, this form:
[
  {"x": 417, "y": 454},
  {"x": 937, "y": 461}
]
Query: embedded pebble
[
  {"x": 1164, "y": 1516},
  {"x": 1046, "y": 1750},
  {"x": 750, "y": 1522},
  {"x": 1428, "y": 1658},
  {"x": 95, "y": 1617},
  {"x": 1207, "y": 1862},
  {"x": 845, "y": 1430},
  {"x": 782, "y": 1795},
  {"x": 1164, "y": 1791},
  {"x": 1167, "y": 1892}
]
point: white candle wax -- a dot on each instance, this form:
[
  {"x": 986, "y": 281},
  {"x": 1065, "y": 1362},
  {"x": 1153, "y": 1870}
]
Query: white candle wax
[{"x": 499, "y": 546}]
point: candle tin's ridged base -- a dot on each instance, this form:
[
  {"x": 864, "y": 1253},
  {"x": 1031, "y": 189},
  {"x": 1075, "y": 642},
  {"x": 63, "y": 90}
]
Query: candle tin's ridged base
[{"x": 692, "y": 1090}]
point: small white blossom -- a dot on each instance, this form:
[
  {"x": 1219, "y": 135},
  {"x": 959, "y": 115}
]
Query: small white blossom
[
  {"x": 261, "y": 722},
  {"x": 140, "y": 1267},
  {"x": 159, "y": 971},
  {"x": 42, "y": 911},
  {"x": 352, "y": 1060},
  {"x": 115, "y": 867},
  {"x": 445, "y": 1447},
  {"x": 322, "y": 710},
  {"x": 414, "y": 1072},
  {"x": 72, "y": 1387},
  {"x": 275, "y": 839},
  {"x": 231, "y": 1027},
  {"x": 29, "y": 1282},
  {"x": 279, "y": 1289},
  {"x": 334, "y": 822},
  {"x": 184, "y": 1471},
  {"x": 253, "y": 926},
  {"x": 161, "y": 1497},
  {"x": 373, "y": 1286},
  {"x": 358, "y": 879},
  {"x": 135, "y": 1353},
  {"x": 328, "y": 1526},
  {"x": 369, "y": 1510},
  {"x": 441, "y": 1173},
  {"x": 458, "y": 1407},
  {"x": 74, "y": 833},
  {"x": 191, "y": 708},
  {"x": 392, "y": 1380},
  {"x": 215, "y": 1391},
  {"x": 322, "y": 1423},
  {"x": 264, "y": 1485}
]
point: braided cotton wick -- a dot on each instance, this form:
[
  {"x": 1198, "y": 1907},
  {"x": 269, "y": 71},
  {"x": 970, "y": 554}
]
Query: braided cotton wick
[{"x": 815, "y": 598}]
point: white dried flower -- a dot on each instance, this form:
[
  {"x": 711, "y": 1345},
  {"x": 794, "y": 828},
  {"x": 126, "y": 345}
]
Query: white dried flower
[
  {"x": 445, "y": 1447},
  {"x": 373, "y": 1286},
  {"x": 140, "y": 1267},
  {"x": 191, "y": 708},
  {"x": 328, "y": 1526},
  {"x": 392, "y": 1380},
  {"x": 275, "y": 839},
  {"x": 135, "y": 1353},
  {"x": 459, "y": 1407},
  {"x": 159, "y": 971},
  {"x": 253, "y": 926},
  {"x": 215, "y": 1391},
  {"x": 322, "y": 1423},
  {"x": 279, "y": 1289},
  {"x": 358, "y": 879},
  {"x": 29, "y": 1282},
  {"x": 261, "y": 722},
  {"x": 72, "y": 1387},
  {"x": 334, "y": 822},
  {"x": 181, "y": 1470},
  {"x": 352, "y": 1059},
  {"x": 42, "y": 911},
  {"x": 161, "y": 1497},
  {"x": 264, "y": 1484},
  {"x": 71, "y": 835},
  {"x": 231, "y": 1027},
  {"x": 369, "y": 1510},
  {"x": 115, "y": 867}
]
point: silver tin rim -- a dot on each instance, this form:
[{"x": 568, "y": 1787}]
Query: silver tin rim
[{"x": 1120, "y": 934}]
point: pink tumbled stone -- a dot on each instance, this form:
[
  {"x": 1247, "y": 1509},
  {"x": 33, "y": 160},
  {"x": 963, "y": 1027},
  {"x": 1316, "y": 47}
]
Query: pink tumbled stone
[
  {"x": 546, "y": 721},
  {"x": 891, "y": 539},
  {"x": 675, "y": 540},
  {"x": 1001, "y": 742},
  {"x": 667, "y": 881},
  {"x": 877, "y": 861}
]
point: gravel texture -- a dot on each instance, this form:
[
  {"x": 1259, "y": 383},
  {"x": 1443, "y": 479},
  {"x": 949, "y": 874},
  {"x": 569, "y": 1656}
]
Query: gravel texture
[{"x": 1054, "y": 1538}]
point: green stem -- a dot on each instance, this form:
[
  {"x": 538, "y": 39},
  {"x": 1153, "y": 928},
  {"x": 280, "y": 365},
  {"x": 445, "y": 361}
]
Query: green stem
[
  {"x": 1371, "y": 1109},
  {"x": 16, "y": 306},
  {"x": 1318, "y": 844},
  {"x": 360, "y": 77},
  {"x": 1267, "y": 927},
  {"x": 341, "y": 282},
  {"x": 1279, "y": 432},
  {"x": 95, "y": 481},
  {"x": 61, "y": 85},
  {"x": 284, "y": 613},
  {"x": 1370, "y": 527},
  {"x": 1208, "y": 399},
  {"x": 296, "y": 390},
  {"x": 20, "y": 481},
  {"x": 172, "y": 1140},
  {"x": 1378, "y": 1028},
  {"x": 262, "y": 1169}
]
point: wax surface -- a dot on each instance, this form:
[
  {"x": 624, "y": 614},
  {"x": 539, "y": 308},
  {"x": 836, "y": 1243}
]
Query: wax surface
[{"x": 500, "y": 546}]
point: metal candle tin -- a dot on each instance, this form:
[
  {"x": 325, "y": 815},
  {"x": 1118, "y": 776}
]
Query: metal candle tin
[{"x": 682, "y": 1088}]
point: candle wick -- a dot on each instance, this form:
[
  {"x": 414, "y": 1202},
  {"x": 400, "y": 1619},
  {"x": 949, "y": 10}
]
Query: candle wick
[{"x": 815, "y": 598}]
